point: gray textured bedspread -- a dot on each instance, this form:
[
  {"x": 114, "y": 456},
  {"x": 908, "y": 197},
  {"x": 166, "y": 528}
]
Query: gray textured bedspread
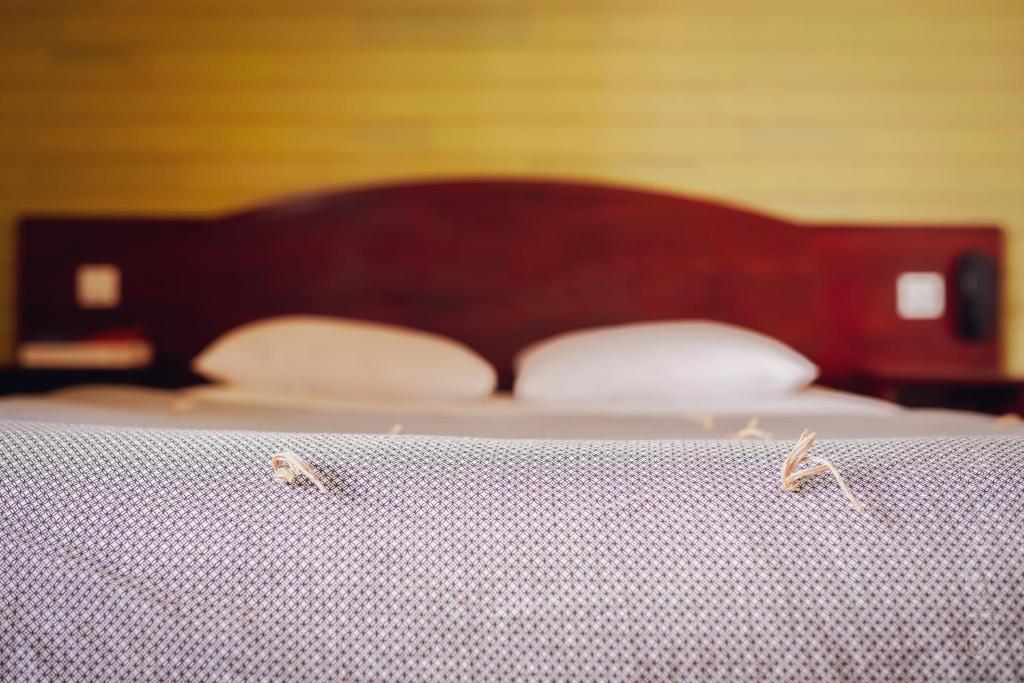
[{"x": 132, "y": 554}]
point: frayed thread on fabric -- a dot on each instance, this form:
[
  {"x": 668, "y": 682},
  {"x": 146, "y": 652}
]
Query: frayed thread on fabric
[
  {"x": 1008, "y": 419},
  {"x": 705, "y": 420},
  {"x": 800, "y": 455},
  {"x": 288, "y": 466},
  {"x": 752, "y": 431}
]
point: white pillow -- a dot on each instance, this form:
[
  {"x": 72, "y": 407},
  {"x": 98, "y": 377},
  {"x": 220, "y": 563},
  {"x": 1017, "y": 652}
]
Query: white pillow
[
  {"x": 659, "y": 362},
  {"x": 334, "y": 356}
]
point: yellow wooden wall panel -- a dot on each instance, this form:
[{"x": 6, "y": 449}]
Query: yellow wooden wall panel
[
  {"x": 831, "y": 67},
  {"x": 475, "y": 22},
  {"x": 777, "y": 145},
  {"x": 893, "y": 105},
  {"x": 848, "y": 109}
]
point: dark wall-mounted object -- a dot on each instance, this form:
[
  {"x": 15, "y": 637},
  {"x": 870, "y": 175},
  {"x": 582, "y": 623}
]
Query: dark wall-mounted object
[
  {"x": 977, "y": 296},
  {"x": 501, "y": 263}
]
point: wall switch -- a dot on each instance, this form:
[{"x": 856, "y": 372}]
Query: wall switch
[
  {"x": 98, "y": 285},
  {"x": 920, "y": 296}
]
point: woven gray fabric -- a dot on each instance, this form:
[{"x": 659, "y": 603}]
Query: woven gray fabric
[{"x": 128, "y": 554}]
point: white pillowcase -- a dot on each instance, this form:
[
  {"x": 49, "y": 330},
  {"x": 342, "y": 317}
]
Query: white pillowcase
[
  {"x": 659, "y": 362},
  {"x": 338, "y": 357}
]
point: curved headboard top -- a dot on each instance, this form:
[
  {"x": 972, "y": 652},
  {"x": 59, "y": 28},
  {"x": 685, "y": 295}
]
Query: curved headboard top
[
  {"x": 519, "y": 190},
  {"x": 497, "y": 264},
  {"x": 502, "y": 263}
]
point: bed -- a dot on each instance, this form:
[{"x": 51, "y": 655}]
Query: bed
[
  {"x": 827, "y": 411},
  {"x": 145, "y": 535}
]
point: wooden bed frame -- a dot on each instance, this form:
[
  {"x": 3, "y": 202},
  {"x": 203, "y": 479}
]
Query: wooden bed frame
[{"x": 501, "y": 263}]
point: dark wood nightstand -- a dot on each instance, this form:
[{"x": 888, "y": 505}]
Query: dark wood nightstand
[
  {"x": 18, "y": 380},
  {"x": 986, "y": 392}
]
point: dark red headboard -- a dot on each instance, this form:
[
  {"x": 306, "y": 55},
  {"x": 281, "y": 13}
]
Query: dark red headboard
[{"x": 501, "y": 263}]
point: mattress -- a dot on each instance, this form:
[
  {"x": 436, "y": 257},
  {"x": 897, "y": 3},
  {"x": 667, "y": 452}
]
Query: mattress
[
  {"x": 131, "y": 553},
  {"x": 830, "y": 413}
]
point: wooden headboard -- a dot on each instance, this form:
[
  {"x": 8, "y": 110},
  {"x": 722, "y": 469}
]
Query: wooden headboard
[{"x": 501, "y": 263}]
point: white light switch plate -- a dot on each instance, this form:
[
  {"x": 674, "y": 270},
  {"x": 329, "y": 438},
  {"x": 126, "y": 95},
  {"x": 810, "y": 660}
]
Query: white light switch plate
[
  {"x": 920, "y": 296},
  {"x": 98, "y": 285}
]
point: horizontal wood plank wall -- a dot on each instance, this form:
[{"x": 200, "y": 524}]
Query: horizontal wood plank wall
[{"x": 839, "y": 110}]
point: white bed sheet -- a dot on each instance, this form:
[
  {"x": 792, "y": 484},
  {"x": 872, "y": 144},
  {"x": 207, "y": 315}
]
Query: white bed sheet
[
  {"x": 813, "y": 400},
  {"x": 832, "y": 414}
]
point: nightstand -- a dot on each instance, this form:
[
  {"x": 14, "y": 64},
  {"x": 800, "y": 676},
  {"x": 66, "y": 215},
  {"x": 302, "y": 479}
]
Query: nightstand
[
  {"x": 986, "y": 392},
  {"x": 17, "y": 380},
  {"x": 48, "y": 365}
]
